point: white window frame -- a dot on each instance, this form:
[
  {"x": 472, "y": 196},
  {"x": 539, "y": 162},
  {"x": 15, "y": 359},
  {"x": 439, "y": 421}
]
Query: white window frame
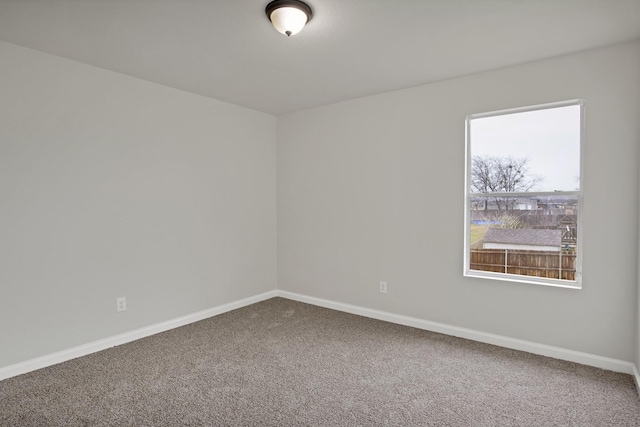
[{"x": 573, "y": 284}]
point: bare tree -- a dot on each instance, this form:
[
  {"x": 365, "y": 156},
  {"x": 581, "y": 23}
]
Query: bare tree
[
  {"x": 506, "y": 220},
  {"x": 490, "y": 174}
]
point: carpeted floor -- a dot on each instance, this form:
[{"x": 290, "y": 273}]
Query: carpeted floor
[{"x": 284, "y": 363}]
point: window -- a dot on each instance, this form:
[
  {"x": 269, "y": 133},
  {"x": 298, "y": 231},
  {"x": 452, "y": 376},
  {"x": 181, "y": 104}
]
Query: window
[{"x": 524, "y": 194}]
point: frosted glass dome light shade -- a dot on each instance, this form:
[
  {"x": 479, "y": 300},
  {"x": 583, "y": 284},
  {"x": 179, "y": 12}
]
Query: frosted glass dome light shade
[
  {"x": 288, "y": 20},
  {"x": 288, "y": 16}
]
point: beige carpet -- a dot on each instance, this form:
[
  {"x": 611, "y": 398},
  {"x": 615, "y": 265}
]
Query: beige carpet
[{"x": 284, "y": 363}]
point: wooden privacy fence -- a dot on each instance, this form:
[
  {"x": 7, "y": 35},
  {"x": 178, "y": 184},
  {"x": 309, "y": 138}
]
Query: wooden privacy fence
[{"x": 554, "y": 265}]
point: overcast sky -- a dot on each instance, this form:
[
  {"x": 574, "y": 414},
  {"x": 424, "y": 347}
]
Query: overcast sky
[{"x": 549, "y": 138}]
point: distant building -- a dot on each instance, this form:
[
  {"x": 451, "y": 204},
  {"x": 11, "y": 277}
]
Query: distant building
[
  {"x": 522, "y": 239},
  {"x": 549, "y": 205},
  {"x": 498, "y": 203}
]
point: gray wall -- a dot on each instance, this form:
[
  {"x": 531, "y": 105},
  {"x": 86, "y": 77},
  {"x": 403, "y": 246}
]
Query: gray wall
[
  {"x": 372, "y": 189},
  {"x": 111, "y": 186}
]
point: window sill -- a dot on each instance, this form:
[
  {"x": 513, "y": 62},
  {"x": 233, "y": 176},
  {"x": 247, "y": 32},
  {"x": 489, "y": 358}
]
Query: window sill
[{"x": 569, "y": 284}]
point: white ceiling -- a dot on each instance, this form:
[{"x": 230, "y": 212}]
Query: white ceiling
[{"x": 228, "y": 50}]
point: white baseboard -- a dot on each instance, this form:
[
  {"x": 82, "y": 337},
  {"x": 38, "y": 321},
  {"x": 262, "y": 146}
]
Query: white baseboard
[
  {"x": 103, "y": 344},
  {"x": 512, "y": 343},
  {"x": 636, "y": 377},
  {"x": 502, "y": 341}
]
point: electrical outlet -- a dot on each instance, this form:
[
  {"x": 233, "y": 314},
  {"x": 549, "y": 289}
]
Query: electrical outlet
[
  {"x": 121, "y": 304},
  {"x": 383, "y": 287}
]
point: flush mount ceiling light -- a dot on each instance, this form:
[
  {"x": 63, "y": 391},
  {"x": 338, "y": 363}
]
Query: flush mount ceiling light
[{"x": 288, "y": 16}]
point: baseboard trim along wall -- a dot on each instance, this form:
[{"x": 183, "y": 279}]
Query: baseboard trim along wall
[
  {"x": 103, "y": 344},
  {"x": 512, "y": 343},
  {"x": 636, "y": 377},
  {"x": 502, "y": 341}
]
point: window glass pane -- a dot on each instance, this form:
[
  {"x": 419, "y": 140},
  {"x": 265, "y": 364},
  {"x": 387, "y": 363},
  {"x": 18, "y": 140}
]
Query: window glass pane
[
  {"x": 523, "y": 199},
  {"x": 530, "y": 236},
  {"x": 526, "y": 151}
]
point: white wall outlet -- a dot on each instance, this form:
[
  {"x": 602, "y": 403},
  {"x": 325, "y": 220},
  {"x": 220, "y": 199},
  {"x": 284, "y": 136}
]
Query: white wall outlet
[
  {"x": 383, "y": 287},
  {"x": 121, "y": 304}
]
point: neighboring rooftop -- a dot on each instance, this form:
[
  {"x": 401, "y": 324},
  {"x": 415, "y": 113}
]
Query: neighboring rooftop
[{"x": 523, "y": 236}]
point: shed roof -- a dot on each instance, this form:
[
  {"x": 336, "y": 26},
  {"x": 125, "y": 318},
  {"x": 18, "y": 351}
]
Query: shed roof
[{"x": 524, "y": 236}]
